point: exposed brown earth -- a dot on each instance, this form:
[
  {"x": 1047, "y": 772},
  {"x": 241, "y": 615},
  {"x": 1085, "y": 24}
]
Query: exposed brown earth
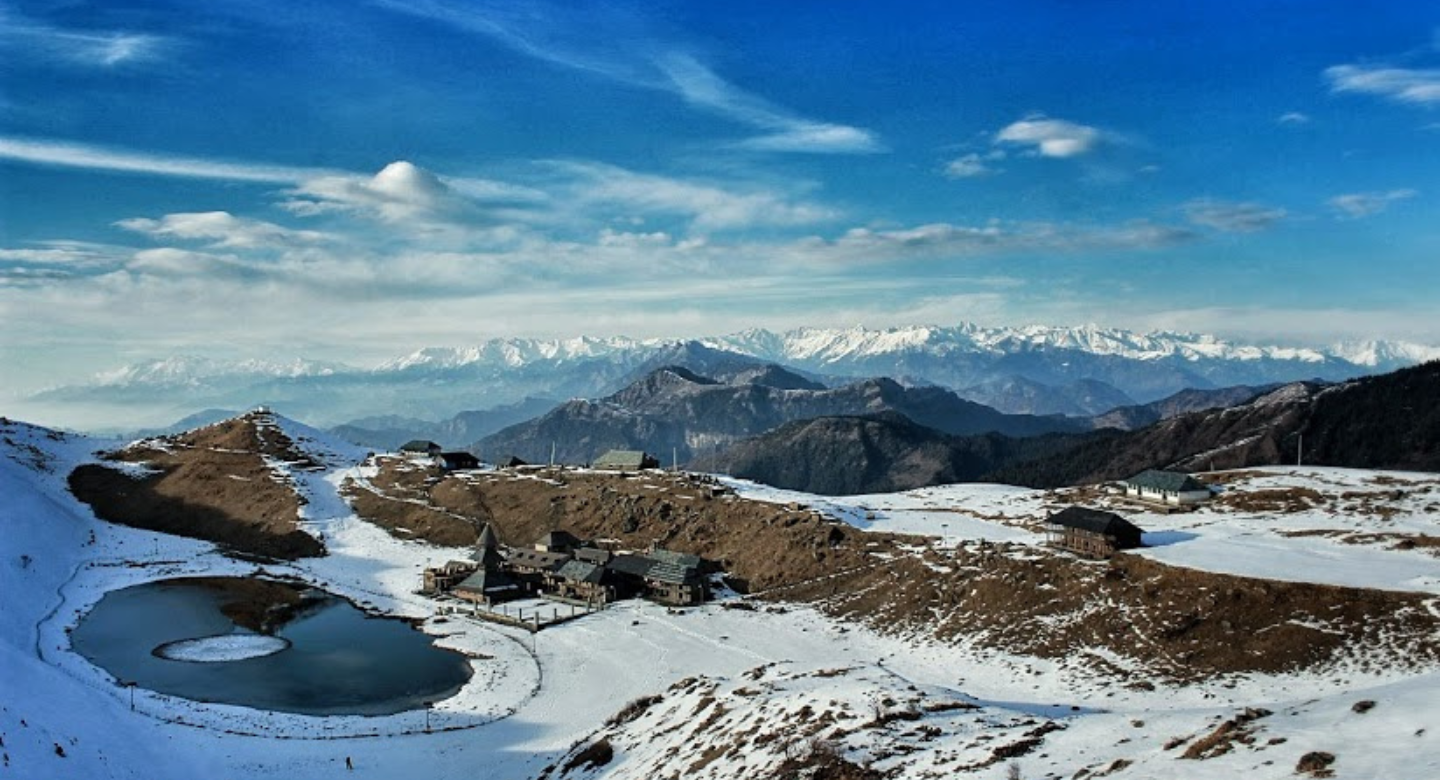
[
  {"x": 1177, "y": 624},
  {"x": 761, "y": 545},
  {"x": 212, "y": 483}
]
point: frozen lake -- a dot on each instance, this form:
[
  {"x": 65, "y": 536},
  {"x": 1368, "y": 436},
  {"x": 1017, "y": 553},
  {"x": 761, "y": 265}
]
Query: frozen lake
[{"x": 323, "y": 656}]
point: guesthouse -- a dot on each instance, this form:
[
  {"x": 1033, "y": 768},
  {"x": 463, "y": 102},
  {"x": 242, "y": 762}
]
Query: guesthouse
[
  {"x": 420, "y": 449},
  {"x": 1091, "y": 532},
  {"x": 1173, "y": 488}
]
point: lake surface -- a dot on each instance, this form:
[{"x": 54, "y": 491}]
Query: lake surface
[{"x": 340, "y": 661}]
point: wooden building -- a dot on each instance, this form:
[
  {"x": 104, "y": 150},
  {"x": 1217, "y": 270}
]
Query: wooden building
[
  {"x": 1091, "y": 532},
  {"x": 456, "y": 461},
  {"x": 441, "y": 579},
  {"x": 488, "y": 586},
  {"x": 420, "y": 448}
]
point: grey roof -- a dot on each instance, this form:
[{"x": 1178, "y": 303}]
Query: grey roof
[
  {"x": 1168, "y": 481},
  {"x": 593, "y": 554},
  {"x": 634, "y": 565},
  {"x": 673, "y": 573},
  {"x": 536, "y": 559},
  {"x": 624, "y": 459},
  {"x": 677, "y": 558},
  {"x": 669, "y": 566},
  {"x": 1095, "y": 521},
  {"x": 419, "y": 445},
  {"x": 487, "y": 540},
  {"x": 580, "y": 571},
  {"x": 486, "y": 581}
]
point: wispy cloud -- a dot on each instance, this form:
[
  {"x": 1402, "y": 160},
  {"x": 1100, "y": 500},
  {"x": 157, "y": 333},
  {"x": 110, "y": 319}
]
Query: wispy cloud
[
  {"x": 87, "y": 48},
  {"x": 969, "y": 166},
  {"x": 1293, "y": 118},
  {"x": 708, "y": 205},
  {"x": 788, "y": 132},
  {"x": 618, "y": 48},
  {"x": 102, "y": 158},
  {"x": 1413, "y": 86},
  {"x": 1231, "y": 217},
  {"x": 1357, "y": 205},
  {"x": 1051, "y": 137},
  {"x": 942, "y": 240},
  {"x": 223, "y": 230}
]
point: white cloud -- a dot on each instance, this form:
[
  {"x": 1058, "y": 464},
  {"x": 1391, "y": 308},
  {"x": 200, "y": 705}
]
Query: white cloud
[
  {"x": 1231, "y": 217},
  {"x": 700, "y": 86},
  {"x": 1051, "y": 137},
  {"x": 401, "y": 193},
  {"x": 87, "y": 48},
  {"x": 709, "y": 206},
  {"x": 224, "y": 229},
  {"x": 607, "y": 42},
  {"x": 1420, "y": 87},
  {"x": 945, "y": 240},
  {"x": 1357, "y": 205},
  {"x": 968, "y": 166},
  {"x": 73, "y": 155},
  {"x": 1293, "y": 118}
]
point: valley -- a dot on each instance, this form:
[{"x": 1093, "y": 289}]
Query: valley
[{"x": 915, "y": 634}]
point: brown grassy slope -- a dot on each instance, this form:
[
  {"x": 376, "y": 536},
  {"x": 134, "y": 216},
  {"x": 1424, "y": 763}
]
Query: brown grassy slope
[
  {"x": 211, "y": 484},
  {"x": 1177, "y": 623},
  {"x": 760, "y": 545},
  {"x": 1181, "y": 624}
]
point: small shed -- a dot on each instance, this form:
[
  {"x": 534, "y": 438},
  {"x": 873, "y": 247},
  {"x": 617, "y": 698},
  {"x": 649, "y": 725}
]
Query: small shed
[
  {"x": 1166, "y": 487},
  {"x": 1091, "y": 532},
  {"x": 626, "y": 460},
  {"x": 420, "y": 448},
  {"x": 456, "y": 461}
]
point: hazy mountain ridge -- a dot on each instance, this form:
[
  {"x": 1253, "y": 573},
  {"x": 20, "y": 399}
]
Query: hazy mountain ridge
[
  {"x": 434, "y": 383},
  {"x": 675, "y": 413}
]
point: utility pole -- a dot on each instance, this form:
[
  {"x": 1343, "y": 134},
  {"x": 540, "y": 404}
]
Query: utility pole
[
  {"x": 674, "y": 458},
  {"x": 1300, "y": 451},
  {"x": 552, "y": 454}
]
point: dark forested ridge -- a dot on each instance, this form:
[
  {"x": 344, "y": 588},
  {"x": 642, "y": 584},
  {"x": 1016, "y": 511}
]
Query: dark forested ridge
[
  {"x": 1391, "y": 421},
  {"x": 839, "y": 455}
]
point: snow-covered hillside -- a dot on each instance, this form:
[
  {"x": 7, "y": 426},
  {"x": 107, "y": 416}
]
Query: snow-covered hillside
[{"x": 734, "y": 689}]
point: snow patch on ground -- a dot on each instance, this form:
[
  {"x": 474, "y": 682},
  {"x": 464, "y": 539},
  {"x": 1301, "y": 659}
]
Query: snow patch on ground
[{"x": 223, "y": 648}]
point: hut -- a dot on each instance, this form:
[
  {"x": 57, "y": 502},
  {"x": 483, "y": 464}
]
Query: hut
[
  {"x": 456, "y": 461},
  {"x": 1091, "y": 532},
  {"x": 626, "y": 460},
  {"x": 1166, "y": 487},
  {"x": 420, "y": 449}
]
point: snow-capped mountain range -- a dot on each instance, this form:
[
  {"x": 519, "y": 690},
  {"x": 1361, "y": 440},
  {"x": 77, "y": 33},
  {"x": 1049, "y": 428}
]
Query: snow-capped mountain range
[{"x": 436, "y": 382}]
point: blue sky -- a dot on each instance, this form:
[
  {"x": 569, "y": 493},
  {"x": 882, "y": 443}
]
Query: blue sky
[{"x": 353, "y": 180}]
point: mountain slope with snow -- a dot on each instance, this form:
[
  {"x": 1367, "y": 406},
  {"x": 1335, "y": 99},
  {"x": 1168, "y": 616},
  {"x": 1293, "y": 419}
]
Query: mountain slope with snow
[{"x": 758, "y": 687}]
